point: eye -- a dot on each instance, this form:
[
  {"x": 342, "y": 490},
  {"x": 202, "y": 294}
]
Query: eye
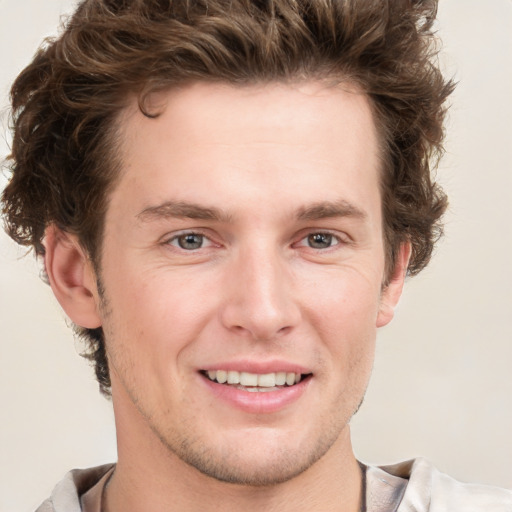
[
  {"x": 320, "y": 240},
  {"x": 189, "y": 241}
]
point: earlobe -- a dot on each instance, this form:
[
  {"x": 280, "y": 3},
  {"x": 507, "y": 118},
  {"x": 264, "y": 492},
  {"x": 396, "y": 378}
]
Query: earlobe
[
  {"x": 391, "y": 293},
  {"x": 72, "y": 277}
]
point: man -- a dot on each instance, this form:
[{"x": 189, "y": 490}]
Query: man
[{"x": 228, "y": 196}]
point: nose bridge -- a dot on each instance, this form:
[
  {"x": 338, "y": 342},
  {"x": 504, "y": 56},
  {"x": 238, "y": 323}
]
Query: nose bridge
[{"x": 261, "y": 302}]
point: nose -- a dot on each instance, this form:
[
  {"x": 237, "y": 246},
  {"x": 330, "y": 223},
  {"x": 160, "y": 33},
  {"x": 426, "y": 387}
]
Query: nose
[{"x": 260, "y": 303}]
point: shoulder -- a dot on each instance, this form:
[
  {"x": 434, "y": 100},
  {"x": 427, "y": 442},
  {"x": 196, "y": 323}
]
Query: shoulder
[
  {"x": 66, "y": 494},
  {"x": 430, "y": 490}
]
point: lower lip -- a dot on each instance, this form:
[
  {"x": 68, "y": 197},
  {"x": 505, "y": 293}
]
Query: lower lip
[{"x": 258, "y": 402}]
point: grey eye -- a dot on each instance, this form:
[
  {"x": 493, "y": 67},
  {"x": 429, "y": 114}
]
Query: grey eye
[
  {"x": 320, "y": 240},
  {"x": 190, "y": 241}
]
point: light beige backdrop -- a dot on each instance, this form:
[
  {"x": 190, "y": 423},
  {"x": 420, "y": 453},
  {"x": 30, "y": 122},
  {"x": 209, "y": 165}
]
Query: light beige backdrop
[{"x": 442, "y": 385}]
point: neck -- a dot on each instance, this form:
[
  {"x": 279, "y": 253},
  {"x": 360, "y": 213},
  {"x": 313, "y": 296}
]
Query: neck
[{"x": 334, "y": 483}]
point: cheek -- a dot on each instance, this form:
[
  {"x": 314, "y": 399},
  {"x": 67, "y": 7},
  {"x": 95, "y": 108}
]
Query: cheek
[
  {"x": 344, "y": 301},
  {"x": 342, "y": 313},
  {"x": 164, "y": 310}
]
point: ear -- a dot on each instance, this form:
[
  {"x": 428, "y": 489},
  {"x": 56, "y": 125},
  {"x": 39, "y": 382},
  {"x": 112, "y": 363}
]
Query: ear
[
  {"x": 390, "y": 295},
  {"x": 72, "y": 277}
]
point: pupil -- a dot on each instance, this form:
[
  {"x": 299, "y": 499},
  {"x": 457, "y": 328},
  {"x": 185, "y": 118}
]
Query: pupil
[
  {"x": 190, "y": 241},
  {"x": 320, "y": 240}
]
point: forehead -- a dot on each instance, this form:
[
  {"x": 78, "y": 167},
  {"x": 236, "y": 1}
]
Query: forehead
[
  {"x": 283, "y": 139},
  {"x": 296, "y": 107}
]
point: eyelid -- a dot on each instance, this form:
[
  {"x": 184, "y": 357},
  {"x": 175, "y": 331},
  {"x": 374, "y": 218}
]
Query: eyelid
[
  {"x": 168, "y": 238},
  {"x": 342, "y": 238}
]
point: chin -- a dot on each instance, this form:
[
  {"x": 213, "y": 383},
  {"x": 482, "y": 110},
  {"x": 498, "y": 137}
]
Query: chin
[
  {"x": 269, "y": 470},
  {"x": 255, "y": 460}
]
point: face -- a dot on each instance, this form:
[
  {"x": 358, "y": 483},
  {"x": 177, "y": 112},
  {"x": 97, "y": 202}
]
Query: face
[{"x": 242, "y": 269}]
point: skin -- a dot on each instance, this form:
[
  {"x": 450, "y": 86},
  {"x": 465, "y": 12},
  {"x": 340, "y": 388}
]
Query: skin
[{"x": 260, "y": 175}]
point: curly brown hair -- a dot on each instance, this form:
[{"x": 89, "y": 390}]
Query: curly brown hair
[{"x": 65, "y": 104}]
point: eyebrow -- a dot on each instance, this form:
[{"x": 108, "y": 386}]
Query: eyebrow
[
  {"x": 329, "y": 209},
  {"x": 180, "y": 209},
  {"x": 172, "y": 209}
]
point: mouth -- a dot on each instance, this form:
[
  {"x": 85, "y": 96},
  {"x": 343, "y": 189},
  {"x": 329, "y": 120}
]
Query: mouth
[{"x": 255, "y": 382}]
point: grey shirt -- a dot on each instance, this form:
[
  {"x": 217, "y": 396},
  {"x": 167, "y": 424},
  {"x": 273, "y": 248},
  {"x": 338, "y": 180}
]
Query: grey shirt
[{"x": 411, "y": 486}]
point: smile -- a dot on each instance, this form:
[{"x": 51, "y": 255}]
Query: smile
[
  {"x": 258, "y": 391},
  {"x": 254, "y": 381}
]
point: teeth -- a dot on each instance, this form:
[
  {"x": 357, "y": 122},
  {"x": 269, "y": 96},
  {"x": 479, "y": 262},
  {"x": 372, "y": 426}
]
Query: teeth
[
  {"x": 267, "y": 380},
  {"x": 280, "y": 378},
  {"x": 222, "y": 376},
  {"x": 233, "y": 377},
  {"x": 254, "y": 380},
  {"x": 248, "y": 379}
]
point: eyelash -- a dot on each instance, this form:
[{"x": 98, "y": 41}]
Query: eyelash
[
  {"x": 303, "y": 242},
  {"x": 330, "y": 236},
  {"x": 176, "y": 238}
]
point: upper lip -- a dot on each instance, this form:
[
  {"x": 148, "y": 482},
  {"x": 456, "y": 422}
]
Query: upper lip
[{"x": 259, "y": 367}]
